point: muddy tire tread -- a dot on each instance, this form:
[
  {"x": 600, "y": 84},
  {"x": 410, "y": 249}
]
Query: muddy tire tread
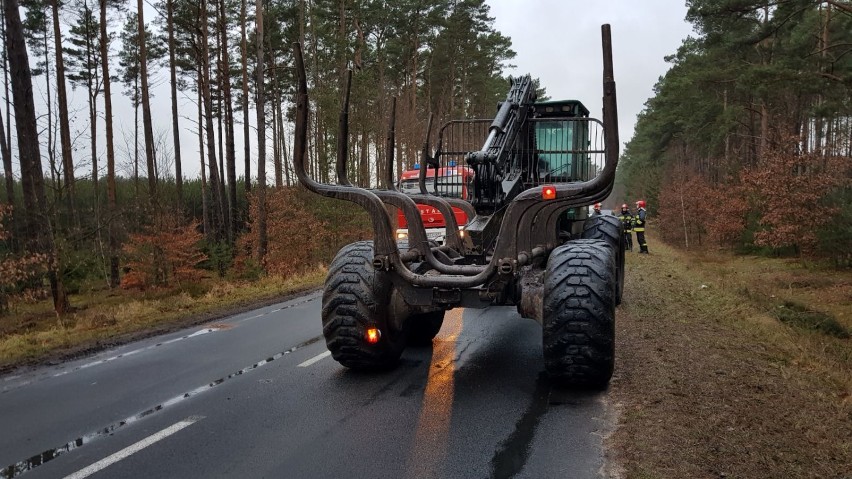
[
  {"x": 609, "y": 229},
  {"x": 579, "y": 313},
  {"x": 355, "y": 298}
]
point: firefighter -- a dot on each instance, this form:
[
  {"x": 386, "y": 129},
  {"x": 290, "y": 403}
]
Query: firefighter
[
  {"x": 597, "y": 211},
  {"x": 639, "y": 226},
  {"x": 627, "y": 222}
]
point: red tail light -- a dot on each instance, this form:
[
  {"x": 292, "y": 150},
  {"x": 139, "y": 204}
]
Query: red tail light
[
  {"x": 548, "y": 192},
  {"x": 373, "y": 335}
]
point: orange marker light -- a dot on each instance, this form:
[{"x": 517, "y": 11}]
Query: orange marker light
[
  {"x": 373, "y": 335},
  {"x": 548, "y": 192}
]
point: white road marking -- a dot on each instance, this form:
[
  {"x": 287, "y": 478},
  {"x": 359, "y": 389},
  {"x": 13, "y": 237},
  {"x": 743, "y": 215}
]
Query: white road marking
[
  {"x": 252, "y": 317},
  {"x": 282, "y": 308},
  {"x": 136, "y": 351},
  {"x": 318, "y": 357},
  {"x": 202, "y": 331},
  {"x": 293, "y": 304},
  {"x": 134, "y": 448}
]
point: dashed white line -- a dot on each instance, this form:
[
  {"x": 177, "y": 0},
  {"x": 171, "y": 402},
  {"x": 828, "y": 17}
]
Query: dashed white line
[
  {"x": 133, "y": 448},
  {"x": 251, "y": 317},
  {"x": 136, "y": 351},
  {"x": 318, "y": 357}
]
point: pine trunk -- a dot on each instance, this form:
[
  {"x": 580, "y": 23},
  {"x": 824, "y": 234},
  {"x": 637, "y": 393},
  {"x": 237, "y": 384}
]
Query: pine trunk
[
  {"x": 230, "y": 158},
  {"x": 261, "y": 139},
  {"x": 205, "y": 205},
  {"x": 8, "y": 131},
  {"x": 91, "y": 87},
  {"x": 29, "y": 154},
  {"x": 220, "y": 138},
  {"x": 287, "y": 178},
  {"x": 244, "y": 60},
  {"x": 282, "y": 147},
  {"x": 276, "y": 151},
  {"x": 7, "y": 166},
  {"x": 136, "y": 146},
  {"x": 110, "y": 150},
  {"x": 365, "y": 165},
  {"x": 215, "y": 183},
  {"x": 173, "y": 84},
  {"x": 764, "y": 129},
  {"x": 64, "y": 127},
  {"x": 51, "y": 151},
  {"x": 146, "y": 108}
]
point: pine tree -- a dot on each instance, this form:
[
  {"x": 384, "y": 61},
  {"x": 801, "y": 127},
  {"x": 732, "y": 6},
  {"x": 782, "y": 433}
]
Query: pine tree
[
  {"x": 62, "y": 100},
  {"x": 173, "y": 84},
  {"x": 110, "y": 147},
  {"x": 130, "y": 60},
  {"x": 83, "y": 70},
  {"x": 32, "y": 179},
  {"x": 144, "y": 58}
]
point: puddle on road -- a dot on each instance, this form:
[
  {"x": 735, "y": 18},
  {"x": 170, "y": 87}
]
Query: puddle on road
[{"x": 15, "y": 470}]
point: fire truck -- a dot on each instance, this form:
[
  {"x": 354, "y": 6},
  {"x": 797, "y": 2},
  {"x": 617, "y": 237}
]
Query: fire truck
[{"x": 451, "y": 181}]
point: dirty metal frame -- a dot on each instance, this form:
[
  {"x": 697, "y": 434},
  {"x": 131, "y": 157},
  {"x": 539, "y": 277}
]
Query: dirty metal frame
[
  {"x": 527, "y": 230},
  {"x": 454, "y": 242},
  {"x": 444, "y": 205},
  {"x": 437, "y": 259}
]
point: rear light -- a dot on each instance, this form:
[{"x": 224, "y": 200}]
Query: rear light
[
  {"x": 461, "y": 234},
  {"x": 373, "y": 335},
  {"x": 548, "y": 192},
  {"x": 401, "y": 236}
]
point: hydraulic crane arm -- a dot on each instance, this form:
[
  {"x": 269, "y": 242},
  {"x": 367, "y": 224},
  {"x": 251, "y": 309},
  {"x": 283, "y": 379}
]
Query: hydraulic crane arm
[{"x": 493, "y": 162}]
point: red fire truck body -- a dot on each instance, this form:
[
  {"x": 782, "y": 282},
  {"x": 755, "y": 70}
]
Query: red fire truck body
[{"x": 451, "y": 182}]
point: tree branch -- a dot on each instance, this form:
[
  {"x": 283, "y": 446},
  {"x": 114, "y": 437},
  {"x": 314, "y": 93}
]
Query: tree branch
[
  {"x": 835, "y": 77},
  {"x": 843, "y": 6}
]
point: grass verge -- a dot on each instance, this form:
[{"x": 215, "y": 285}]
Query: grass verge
[
  {"x": 713, "y": 379},
  {"x": 104, "y": 319}
]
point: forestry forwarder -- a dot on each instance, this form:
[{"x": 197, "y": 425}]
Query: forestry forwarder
[{"x": 528, "y": 243}]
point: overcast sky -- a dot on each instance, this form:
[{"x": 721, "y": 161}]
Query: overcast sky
[{"x": 559, "y": 41}]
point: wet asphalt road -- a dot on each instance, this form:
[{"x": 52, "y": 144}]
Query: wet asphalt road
[{"x": 257, "y": 395}]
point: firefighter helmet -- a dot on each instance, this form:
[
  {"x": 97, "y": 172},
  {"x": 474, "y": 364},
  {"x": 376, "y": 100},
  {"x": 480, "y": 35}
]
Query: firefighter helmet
[{"x": 640, "y": 203}]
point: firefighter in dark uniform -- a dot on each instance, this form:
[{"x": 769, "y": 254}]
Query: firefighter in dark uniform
[
  {"x": 627, "y": 224},
  {"x": 639, "y": 226}
]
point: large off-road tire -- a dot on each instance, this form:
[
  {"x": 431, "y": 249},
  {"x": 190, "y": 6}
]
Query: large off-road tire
[
  {"x": 422, "y": 328},
  {"x": 355, "y": 298},
  {"x": 579, "y": 313},
  {"x": 610, "y": 229}
]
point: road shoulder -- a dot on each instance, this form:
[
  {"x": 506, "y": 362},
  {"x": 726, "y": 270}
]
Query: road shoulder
[{"x": 708, "y": 384}]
